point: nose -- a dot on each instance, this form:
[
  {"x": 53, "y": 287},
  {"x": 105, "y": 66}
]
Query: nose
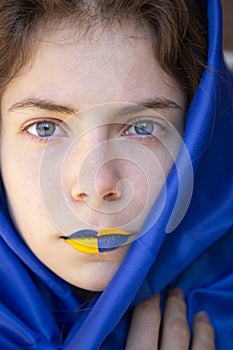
[
  {"x": 97, "y": 169},
  {"x": 102, "y": 186}
]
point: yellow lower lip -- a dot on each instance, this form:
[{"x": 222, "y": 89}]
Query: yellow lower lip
[{"x": 88, "y": 245}]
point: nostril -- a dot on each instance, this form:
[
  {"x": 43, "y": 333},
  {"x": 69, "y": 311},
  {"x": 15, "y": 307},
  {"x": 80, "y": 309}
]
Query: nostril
[
  {"x": 111, "y": 196},
  {"x": 79, "y": 196}
]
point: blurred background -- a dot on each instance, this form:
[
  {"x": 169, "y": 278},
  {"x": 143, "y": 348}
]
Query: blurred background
[
  {"x": 228, "y": 30},
  {"x": 227, "y": 24}
]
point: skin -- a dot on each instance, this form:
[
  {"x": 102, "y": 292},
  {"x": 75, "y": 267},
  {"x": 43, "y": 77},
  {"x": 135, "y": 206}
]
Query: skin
[
  {"x": 175, "y": 334},
  {"x": 66, "y": 72}
]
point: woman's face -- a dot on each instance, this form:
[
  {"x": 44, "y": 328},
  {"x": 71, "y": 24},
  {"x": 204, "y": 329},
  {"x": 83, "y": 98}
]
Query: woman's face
[{"x": 81, "y": 150}]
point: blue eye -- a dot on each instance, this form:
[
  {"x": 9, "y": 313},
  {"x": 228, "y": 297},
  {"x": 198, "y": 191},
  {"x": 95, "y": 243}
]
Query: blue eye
[
  {"x": 45, "y": 129},
  {"x": 143, "y": 128}
]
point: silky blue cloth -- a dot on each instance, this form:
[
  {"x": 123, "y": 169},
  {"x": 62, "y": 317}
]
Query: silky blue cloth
[{"x": 38, "y": 310}]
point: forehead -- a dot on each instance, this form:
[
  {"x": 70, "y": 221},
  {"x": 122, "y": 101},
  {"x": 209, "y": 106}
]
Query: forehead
[{"x": 108, "y": 64}]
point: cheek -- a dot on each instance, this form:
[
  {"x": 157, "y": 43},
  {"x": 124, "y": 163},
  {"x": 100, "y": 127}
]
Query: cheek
[
  {"x": 20, "y": 171},
  {"x": 20, "y": 175},
  {"x": 155, "y": 171}
]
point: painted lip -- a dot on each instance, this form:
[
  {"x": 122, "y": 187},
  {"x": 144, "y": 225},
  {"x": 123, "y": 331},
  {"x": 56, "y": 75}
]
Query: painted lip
[{"x": 93, "y": 242}]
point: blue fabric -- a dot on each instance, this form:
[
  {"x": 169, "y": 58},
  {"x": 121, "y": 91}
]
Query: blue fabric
[{"x": 38, "y": 310}]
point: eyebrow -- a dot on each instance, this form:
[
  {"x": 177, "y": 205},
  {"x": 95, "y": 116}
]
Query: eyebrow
[
  {"x": 154, "y": 103},
  {"x": 43, "y": 105},
  {"x": 132, "y": 108}
]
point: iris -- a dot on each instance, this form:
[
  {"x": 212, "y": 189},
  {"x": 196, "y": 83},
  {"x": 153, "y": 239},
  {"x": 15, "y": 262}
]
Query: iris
[
  {"x": 45, "y": 129},
  {"x": 144, "y": 128}
]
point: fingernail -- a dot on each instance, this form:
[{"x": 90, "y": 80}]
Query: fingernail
[
  {"x": 177, "y": 292},
  {"x": 203, "y": 317}
]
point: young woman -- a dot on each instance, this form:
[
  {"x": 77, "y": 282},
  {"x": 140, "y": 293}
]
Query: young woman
[{"x": 99, "y": 212}]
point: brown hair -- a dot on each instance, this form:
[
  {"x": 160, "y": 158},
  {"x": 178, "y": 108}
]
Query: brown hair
[{"x": 178, "y": 27}]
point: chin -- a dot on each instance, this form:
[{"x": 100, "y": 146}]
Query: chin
[
  {"x": 97, "y": 284},
  {"x": 92, "y": 272},
  {"x": 95, "y": 276}
]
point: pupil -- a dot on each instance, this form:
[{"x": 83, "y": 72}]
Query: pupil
[
  {"x": 145, "y": 128},
  {"x": 45, "y": 129}
]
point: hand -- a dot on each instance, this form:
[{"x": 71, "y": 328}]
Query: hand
[{"x": 146, "y": 325}]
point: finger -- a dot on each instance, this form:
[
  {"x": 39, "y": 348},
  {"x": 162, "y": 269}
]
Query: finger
[
  {"x": 175, "y": 330},
  {"x": 145, "y": 324},
  {"x": 203, "y": 333}
]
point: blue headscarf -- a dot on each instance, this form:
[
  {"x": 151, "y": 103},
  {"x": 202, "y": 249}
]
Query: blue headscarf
[{"x": 38, "y": 310}]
